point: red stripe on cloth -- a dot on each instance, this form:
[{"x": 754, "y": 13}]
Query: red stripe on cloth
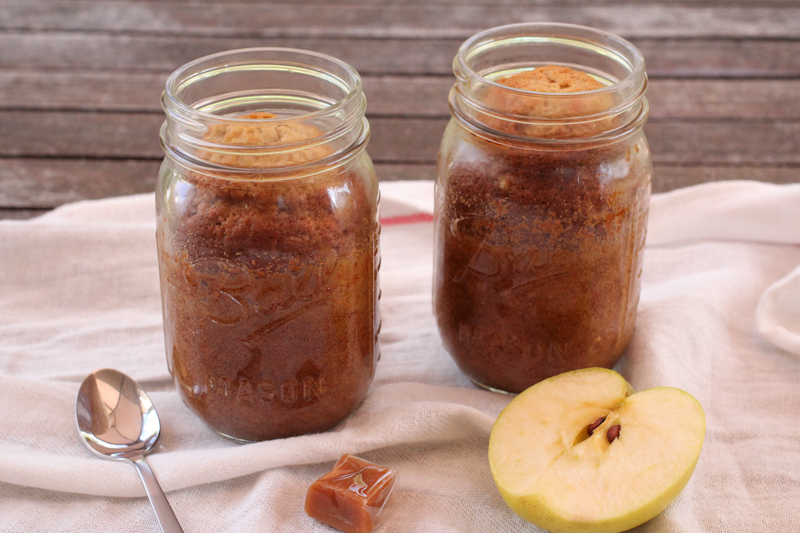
[{"x": 407, "y": 219}]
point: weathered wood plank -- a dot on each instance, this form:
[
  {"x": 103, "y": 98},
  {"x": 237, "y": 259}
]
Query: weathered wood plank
[
  {"x": 668, "y": 177},
  {"x": 460, "y": 3},
  {"x": 453, "y": 4},
  {"x": 393, "y": 21},
  {"x": 135, "y": 135},
  {"x": 724, "y": 99},
  {"x": 724, "y": 143},
  {"x": 69, "y": 90},
  {"x": 748, "y": 58},
  {"x": 46, "y": 183},
  {"x": 20, "y": 214},
  {"x": 401, "y": 171},
  {"x": 80, "y": 134},
  {"x": 29, "y": 187},
  {"x": 160, "y": 53},
  {"x": 396, "y": 140},
  {"x": 141, "y": 91},
  {"x": 392, "y": 95}
]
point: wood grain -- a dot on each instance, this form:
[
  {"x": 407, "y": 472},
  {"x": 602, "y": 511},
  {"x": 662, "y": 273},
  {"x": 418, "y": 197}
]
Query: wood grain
[
  {"x": 53, "y": 182},
  {"x": 454, "y": 4},
  {"x": 20, "y": 214},
  {"x": 419, "y": 96},
  {"x": 392, "y": 21},
  {"x": 394, "y": 139},
  {"x": 80, "y": 81},
  {"x": 46, "y": 183},
  {"x": 678, "y": 58}
]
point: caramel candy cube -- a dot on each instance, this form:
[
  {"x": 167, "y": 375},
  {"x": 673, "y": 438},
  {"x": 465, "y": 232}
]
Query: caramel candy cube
[{"x": 351, "y": 496}]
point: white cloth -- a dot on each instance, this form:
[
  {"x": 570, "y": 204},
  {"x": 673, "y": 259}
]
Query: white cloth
[
  {"x": 778, "y": 313},
  {"x": 79, "y": 291}
]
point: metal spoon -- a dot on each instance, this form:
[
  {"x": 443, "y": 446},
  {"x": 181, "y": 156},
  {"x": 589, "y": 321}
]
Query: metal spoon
[{"x": 118, "y": 421}]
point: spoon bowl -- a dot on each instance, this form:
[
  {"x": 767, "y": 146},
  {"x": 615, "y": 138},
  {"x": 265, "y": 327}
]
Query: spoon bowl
[{"x": 117, "y": 420}]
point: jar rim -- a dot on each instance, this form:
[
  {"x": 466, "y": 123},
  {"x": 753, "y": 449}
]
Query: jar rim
[
  {"x": 522, "y": 142},
  {"x": 171, "y": 98},
  {"x": 311, "y": 109},
  {"x": 531, "y": 30},
  {"x": 616, "y": 108},
  {"x": 303, "y": 170}
]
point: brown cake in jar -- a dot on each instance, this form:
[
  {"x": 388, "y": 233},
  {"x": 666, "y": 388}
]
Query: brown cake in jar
[
  {"x": 538, "y": 242},
  {"x": 554, "y": 118},
  {"x": 269, "y": 284}
]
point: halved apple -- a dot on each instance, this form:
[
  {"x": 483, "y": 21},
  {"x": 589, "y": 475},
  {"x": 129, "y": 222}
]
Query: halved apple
[{"x": 581, "y": 451}]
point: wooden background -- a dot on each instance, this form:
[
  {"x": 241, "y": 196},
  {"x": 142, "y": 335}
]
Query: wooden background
[{"x": 80, "y": 81}]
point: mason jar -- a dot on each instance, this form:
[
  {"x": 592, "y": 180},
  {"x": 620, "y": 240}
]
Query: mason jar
[
  {"x": 541, "y": 203},
  {"x": 267, "y": 232}
]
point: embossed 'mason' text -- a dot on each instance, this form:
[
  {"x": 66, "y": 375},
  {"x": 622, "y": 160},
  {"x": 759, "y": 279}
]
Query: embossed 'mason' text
[
  {"x": 547, "y": 352},
  {"x": 246, "y": 391}
]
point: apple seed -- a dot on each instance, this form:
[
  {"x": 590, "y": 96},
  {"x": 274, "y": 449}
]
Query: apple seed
[
  {"x": 594, "y": 425},
  {"x": 613, "y": 433}
]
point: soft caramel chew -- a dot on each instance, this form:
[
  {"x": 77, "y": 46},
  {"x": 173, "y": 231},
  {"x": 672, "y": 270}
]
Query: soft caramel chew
[{"x": 351, "y": 496}]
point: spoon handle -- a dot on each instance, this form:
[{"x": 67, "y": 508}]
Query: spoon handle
[{"x": 164, "y": 513}]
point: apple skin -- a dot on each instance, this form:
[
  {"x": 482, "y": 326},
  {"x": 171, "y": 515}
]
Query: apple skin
[{"x": 551, "y": 473}]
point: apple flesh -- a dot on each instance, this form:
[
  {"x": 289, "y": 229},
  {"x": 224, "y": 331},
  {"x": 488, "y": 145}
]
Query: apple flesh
[{"x": 554, "y": 474}]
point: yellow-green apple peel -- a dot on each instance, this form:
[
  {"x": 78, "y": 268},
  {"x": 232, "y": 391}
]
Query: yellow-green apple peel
[{"x": 553, "y": 473}]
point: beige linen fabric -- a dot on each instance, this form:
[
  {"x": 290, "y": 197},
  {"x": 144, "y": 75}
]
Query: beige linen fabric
[
  {"x": 778, "y": 313},
  {"x": 79, "y": 291}
]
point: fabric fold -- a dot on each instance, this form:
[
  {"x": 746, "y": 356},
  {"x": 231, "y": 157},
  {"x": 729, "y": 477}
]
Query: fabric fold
[{"x": 778, "y": 313}]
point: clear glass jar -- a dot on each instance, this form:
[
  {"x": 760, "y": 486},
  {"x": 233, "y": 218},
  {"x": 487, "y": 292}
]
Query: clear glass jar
[
  {"x": 267, "y": 230},
  {"x": 541, "y": 207}
]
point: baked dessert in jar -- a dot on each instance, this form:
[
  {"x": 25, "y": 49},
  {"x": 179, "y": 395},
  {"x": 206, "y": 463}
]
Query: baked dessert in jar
[
  {"x": 542, "y": 196},
  {"x": 268, "y": 246}
]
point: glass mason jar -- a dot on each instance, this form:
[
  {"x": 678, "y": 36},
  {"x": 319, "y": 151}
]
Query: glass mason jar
[
  {"x": 541, "y": 206},
  {"x": 267, "y": 230}
]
